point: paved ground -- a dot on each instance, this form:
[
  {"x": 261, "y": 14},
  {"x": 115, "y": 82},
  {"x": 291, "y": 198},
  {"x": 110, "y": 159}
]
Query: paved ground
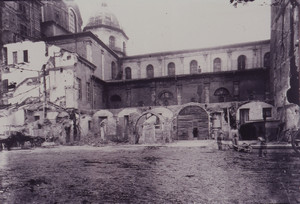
[{"x": 176, "y": 173}]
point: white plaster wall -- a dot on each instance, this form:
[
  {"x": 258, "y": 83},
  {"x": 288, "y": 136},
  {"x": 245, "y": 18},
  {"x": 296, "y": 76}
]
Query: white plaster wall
[
  {"x": 25, "y": 91},
  {"x": 204, "y": 58},
  {"x": 84, "y": 124},
  {"x": 60, "y": 82},
  {"x": 110, "y": 123},
  {"x": 164, "y": 112},
  {"x": 156, "y": 67},
  {"x": 255, "y": 110},
  {"x": 36, "y": 59},
  {"x": 103, "y": 34}
]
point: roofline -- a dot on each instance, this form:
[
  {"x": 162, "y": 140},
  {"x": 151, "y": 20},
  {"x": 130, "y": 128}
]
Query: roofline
[
  {"x": 106, "y": 26},
  {"x": 81, "y": 34},
  {"x": 157, "y": 54},
  {"x": 87, "y": 63}
]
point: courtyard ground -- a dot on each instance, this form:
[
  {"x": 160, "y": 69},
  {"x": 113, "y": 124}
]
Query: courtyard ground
[{"x": 176, "y": 173}]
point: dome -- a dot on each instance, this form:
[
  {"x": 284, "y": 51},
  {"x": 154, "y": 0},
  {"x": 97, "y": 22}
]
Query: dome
[{"x": 103, "y": 17}]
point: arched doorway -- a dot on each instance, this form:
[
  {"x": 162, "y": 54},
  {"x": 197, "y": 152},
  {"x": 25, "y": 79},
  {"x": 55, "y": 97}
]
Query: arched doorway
[
  {"x": 192, "y": 123},
  {"x": 149, "y": 128}
]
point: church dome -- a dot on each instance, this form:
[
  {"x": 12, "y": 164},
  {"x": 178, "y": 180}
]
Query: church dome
[{"x": 103, "y": 17}]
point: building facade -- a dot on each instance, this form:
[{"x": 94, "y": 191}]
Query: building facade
[{"x": 155, "y": 97}]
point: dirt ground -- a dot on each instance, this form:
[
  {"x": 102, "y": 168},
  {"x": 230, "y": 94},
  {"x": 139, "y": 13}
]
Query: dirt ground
[{"x": 148, "y": 174}]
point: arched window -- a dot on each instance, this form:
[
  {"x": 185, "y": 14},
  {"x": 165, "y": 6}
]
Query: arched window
[
  {"x": 267, "y": 60},
  {"x": 150, "y": 71},
  {"x": 165, "y": 97},
  {"x": 241, "y": 62},
  {"x": 217, "y": 65},
  {"x": 193, "y": 67},
  {"x": 222, "y": 93},
  {"x": 171, "y": 69},
  {"x": 113, "y": 70},
  {"x": 127, "y": 73},
  {"x": 112, "y": 41},
  {"x": 72, "y": 21}
]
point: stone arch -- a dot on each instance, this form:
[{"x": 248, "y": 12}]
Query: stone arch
[
  {"x": 149, "y": 128},
  {"x": 192, "y": 122},
  {"x": 125, "y": 123},
  {"x": 222, "y": 94},
  {"x": 104, "y": 124},
  {"x": 72, "y": 20},
  {"x": 165, "y": 98}
]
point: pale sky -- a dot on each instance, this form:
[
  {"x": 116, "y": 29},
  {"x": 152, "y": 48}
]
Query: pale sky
[{"x": 166, "y": 25}]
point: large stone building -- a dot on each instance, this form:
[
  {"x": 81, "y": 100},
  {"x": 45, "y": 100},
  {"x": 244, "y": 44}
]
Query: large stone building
[{"x": 183, "y": 94}]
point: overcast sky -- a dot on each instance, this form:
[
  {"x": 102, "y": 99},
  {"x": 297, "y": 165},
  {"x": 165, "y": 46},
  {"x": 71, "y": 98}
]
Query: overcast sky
[{"x": 164, "y": 25}]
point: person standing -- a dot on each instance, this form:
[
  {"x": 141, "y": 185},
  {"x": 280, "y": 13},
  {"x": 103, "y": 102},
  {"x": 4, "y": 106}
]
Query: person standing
[{"x": 219, "y": 139}]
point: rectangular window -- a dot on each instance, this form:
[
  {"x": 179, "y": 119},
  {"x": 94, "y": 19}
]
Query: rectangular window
[
  {"x": 36, "y": 117},
  {"x": 267, "y": 112},
  {"x": 15, "y": 57},
  {"x": 25, "y": 55},
  {"x": 5, "y": 86},
  {"x": 79, "y": 88},
  {"x": 5, "y": 55},
  {"x": 88, "y": 91},
  {"x": 244, "y": 115}
]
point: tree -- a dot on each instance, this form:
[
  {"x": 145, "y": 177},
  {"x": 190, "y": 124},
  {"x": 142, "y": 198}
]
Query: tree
[{"x": 236, "y": 2}]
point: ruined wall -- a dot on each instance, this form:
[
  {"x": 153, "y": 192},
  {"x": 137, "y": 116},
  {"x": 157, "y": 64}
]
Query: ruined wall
[
  {"x": 284, "y": 73},
  {"x": 87, "y": 46}
]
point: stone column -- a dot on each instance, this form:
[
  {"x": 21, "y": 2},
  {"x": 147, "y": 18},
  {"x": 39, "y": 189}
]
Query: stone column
[
  {"x": 206, "y": 66},
  {"x": 128, "y": 97},
  {"x": 206, "y": 93},
  {"x": 139, "y": 70},
  {"x": 102, "y": 64},
  {"x": 182, "y": 65},
  {"x": 161, "y": 67},
  {"x": 229, "y": 60},
  {"x": 179, "y": 94},
  {"x": 153, "y": 95},
  {"x": 254, "y": 65}
]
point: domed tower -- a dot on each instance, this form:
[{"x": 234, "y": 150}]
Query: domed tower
[
  {"x": 60, "y": 17},
  {"x": 105, "y": 25}
]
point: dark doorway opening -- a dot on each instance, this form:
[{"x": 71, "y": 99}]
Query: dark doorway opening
[{"x": 195, "y": 132}]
